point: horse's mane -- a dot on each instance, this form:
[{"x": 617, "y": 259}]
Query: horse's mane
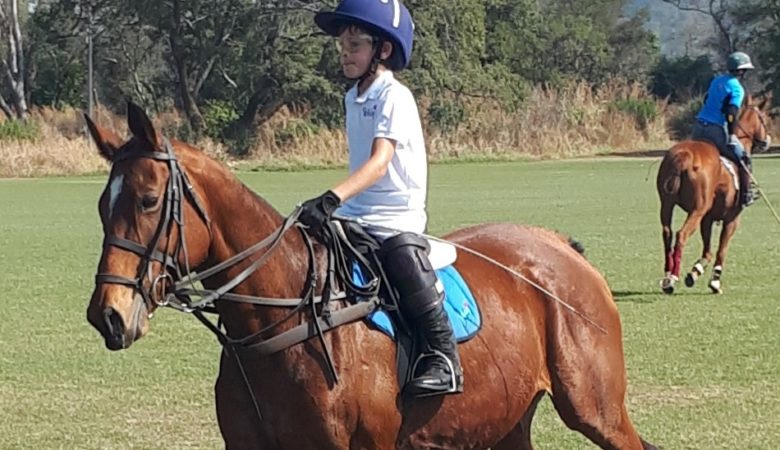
[{"x": 196, "y": 161}]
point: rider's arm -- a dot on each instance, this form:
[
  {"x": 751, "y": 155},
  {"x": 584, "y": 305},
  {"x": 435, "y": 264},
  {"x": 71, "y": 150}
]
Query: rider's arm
[
  {"x": 382, "y": 150},
  {"x": 734, "y": 102},
  {"x": 732, "y": 118}
]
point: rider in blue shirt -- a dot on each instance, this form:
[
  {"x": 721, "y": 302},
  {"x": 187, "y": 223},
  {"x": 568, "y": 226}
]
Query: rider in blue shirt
[{"x": 718, "y": 119}]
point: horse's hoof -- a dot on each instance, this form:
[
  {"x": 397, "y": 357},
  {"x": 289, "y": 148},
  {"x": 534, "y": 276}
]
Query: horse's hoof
[
  {"x": 715, "y": 287},
  {"x": 667, "y": 284},
  {"x": 690, "y": 280}
]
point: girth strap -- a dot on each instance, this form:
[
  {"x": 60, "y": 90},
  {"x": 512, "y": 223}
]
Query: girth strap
[{"x": 308, "y": 330}]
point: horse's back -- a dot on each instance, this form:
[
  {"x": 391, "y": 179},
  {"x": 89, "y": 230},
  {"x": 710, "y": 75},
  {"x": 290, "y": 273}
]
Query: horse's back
[
  {"x": 544, "y": 257},
  {"x": 703, "y": 154}
]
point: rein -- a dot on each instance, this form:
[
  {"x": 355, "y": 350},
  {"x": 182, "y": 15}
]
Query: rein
[{"x": 758, "y": 144}]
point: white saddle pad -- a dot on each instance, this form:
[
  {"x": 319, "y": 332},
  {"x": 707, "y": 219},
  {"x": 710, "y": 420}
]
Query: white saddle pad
[
  {"x": 442, "y": 254},
  {"x": 732, "y": 170}
]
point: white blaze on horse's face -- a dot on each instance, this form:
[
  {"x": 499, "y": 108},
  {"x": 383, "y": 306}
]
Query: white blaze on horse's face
[{"x": 115, "y": 188}]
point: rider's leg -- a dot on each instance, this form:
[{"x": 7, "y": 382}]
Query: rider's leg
[
  {"x": 745, "y": 165},
  {"x": 421, "y": 298}
]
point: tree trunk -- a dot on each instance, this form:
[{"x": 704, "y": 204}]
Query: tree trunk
[
  {"x": 14, "y": 62},
  {"x": 188, "y": 101},
  {"x": 263, "y": 103}
]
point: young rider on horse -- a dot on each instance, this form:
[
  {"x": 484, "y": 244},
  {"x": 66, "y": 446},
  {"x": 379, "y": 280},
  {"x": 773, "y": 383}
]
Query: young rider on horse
[
  {"x": 387, "y": 182},
  {"x": 718, "y": 119}
]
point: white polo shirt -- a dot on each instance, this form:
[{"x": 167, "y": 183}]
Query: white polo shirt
[{"x": 387, "y": 110}]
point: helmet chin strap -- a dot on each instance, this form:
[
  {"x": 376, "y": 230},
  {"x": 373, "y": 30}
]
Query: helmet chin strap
[{"x": 375, "y": 60}]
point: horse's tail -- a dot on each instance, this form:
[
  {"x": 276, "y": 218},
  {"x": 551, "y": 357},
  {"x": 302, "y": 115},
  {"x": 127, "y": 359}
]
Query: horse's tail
[
  {"x": 577, "y": 246},
  {"x": 670, "y": 174}
]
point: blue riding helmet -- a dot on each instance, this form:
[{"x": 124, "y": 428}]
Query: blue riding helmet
[{"x": 388, "y": 18}]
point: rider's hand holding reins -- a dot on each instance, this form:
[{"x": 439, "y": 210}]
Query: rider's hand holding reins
[{"x": 316, "y": 212}]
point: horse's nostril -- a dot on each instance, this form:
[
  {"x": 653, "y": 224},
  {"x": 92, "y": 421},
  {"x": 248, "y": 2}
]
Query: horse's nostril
[{"x": 114, "y": 324}]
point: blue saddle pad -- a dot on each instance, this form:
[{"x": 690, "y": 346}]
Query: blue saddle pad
[{"x": 459, "y": 303}]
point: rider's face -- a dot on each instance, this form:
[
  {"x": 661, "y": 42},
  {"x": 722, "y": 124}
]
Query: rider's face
[{"x": 356, "y": 51}]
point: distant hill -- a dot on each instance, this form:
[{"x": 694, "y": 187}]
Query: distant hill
[{"x": 680, "y": 32}]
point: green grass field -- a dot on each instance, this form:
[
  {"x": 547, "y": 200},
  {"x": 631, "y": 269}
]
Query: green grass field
[{"x": 703, "y": 370}]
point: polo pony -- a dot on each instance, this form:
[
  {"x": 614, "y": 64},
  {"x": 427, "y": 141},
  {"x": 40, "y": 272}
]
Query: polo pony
[
  {"x": 169, "y": 212},
  {"x": 695, "y": 177}
]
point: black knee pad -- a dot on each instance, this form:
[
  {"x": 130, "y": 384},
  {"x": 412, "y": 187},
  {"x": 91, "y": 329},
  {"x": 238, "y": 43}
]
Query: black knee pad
[{"x": 406, "y": 263}]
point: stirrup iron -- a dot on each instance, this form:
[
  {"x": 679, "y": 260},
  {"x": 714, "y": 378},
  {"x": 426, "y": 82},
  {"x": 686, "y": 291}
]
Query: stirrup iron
[{"x": 456, "y": 379}]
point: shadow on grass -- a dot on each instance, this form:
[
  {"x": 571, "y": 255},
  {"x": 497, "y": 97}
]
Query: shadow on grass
[
  {"x": 654, "y": 295},
  {"x": 637, "y": 296}
]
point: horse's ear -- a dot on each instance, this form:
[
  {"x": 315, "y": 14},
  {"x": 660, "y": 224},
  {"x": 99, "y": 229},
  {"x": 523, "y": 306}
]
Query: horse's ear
[
  {"x": 141, "y": 126},
  {"x": 766, "y": 103},
  {"x": 106, "y": 140}
]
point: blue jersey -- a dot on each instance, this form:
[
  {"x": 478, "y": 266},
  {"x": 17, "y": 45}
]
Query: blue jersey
[{"x": 724, "y": 90}]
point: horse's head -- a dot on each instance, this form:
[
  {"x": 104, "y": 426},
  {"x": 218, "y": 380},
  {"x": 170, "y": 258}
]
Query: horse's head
[
  {"x": 753, "y": 129},
  {"x": 142, "y": 209}
]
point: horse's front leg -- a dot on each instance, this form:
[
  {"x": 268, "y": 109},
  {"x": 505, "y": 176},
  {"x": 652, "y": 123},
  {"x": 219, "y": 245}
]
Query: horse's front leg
[
  {"x": 706, "y": 254},
  {"x": 725, "y": 239},
  {"x": 238, "y": 419}
]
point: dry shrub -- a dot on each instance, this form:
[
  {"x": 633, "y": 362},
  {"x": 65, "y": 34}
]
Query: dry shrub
[
  {"x": 64, "y": 149},
  {"x": 568, "y": 122},
  {"x": 575, "y": 120},
  {"x": 289, "y": 141}
]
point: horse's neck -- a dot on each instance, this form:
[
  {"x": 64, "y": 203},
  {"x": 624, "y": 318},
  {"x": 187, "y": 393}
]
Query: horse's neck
[{"x": 241, "y": 219}]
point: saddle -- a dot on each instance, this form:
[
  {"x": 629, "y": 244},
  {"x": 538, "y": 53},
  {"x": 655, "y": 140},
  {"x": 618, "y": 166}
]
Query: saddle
[{"x": 362, "y": 272}]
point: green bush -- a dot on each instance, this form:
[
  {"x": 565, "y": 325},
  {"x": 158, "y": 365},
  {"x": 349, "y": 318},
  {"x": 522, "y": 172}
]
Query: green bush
[
  {"x": 643, "y": 110},
  {"x": 681, "y": 79},
  {"x": 19, "y": 130},
  {"x": 218, "y": 114},
  {"x": 681, "y": 120},
  {"x": 446, "y": 115}
]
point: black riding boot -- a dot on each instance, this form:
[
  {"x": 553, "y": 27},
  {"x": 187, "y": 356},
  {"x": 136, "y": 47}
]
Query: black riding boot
[
  {"x": 438, "y": 370},
  {"x": 745, "y": 187}
]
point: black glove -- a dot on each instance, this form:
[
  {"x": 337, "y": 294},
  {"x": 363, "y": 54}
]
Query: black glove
[{"x": 315, "y": 212}]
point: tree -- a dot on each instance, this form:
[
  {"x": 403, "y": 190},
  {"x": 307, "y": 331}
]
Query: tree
[
  {"x": 634, "y": 50},
  {"x": 719, "y": 11},
  {"x": 759, "y": 19},
  {"x": 13, "y": 61},
  {"x": 682, "y": 79}
]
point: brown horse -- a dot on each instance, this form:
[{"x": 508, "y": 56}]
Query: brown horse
[
  {"x": 693, "y": 176},
  {"x": 529, "y": 345}
]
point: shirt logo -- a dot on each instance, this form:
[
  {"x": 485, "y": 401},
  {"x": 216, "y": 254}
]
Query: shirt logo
[{"x": 369, "y": 111}]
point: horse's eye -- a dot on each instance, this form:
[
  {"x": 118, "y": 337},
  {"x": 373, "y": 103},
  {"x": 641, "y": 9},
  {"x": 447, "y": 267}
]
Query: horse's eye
[{"x": 149, "y": 201}]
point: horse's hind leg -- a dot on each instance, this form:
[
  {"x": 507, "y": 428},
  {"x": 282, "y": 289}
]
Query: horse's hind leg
[
  {"x": 689, "y": 226},
  {"x": 589, "y": 393},
  {"x": 725, "y": 238},
  {"x": 667, "y": 208},
  {"x": 706, "y": 254},
  {"x": 520, "y": 436},
  {"x": 607, "y": 426}
]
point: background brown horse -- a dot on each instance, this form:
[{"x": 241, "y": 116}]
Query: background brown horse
[
  {"x": 529, "y": 345},
  {"x": 693, "y": 177}
]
